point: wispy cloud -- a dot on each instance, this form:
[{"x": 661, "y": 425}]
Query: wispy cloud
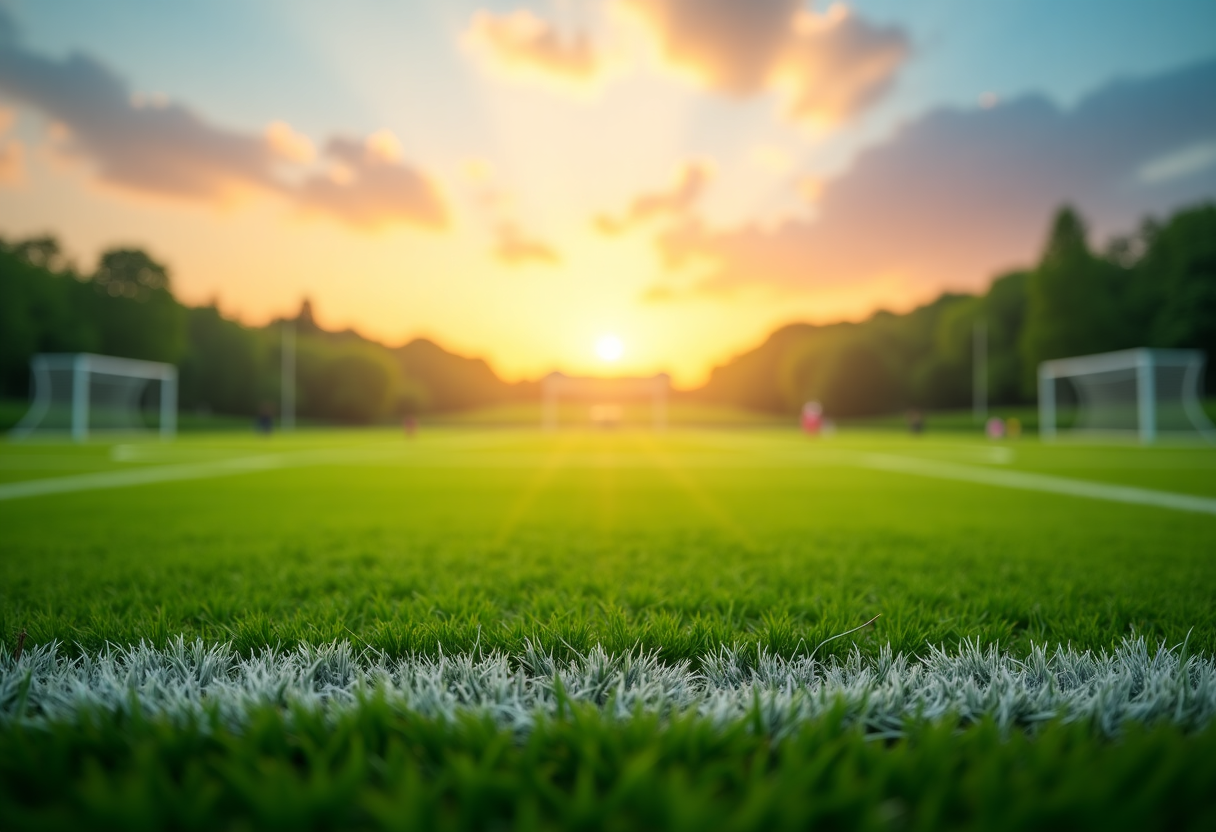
[
  {"x": 959, "y": 193},
  {"x": 516, "y": 248},
  {"x": 828, "y": 65},
  {"x": 520, "y": 43},
  {"x": 12, "y": 151},
  {"x": 151, "y": 145},
  {"x": 674, "y": 202},
  {"x": 369, "y": 186}
]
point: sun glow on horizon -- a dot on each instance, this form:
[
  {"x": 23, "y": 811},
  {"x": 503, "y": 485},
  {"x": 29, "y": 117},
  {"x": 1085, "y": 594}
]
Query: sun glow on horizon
[{"x": 609, "y": 348}]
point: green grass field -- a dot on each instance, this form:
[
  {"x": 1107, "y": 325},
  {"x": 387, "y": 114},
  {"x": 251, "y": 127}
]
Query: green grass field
[{"x": 464, "y": 542}]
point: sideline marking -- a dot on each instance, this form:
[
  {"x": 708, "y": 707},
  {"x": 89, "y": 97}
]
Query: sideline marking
[
  {"x": 141, "y": 476},
  {"x": 1001, "y": 477},
  {"x": 1027, "y": 481}
]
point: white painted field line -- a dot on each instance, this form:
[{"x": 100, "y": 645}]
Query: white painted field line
[
  {"x": 141, "y": 476},
  {"x": 1027, "y": 481},
  {"x": 231, "y": 466}
]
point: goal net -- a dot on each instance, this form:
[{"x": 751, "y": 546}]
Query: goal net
[
  {"x": 604, "y": 402},
  {"x": 1145, "y": 393},
  {"x": 78, "y": 394}
]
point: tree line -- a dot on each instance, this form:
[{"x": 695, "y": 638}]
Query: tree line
[
  {"x": 1155, "y": 287},
  {"x": 125, "y": 307}
]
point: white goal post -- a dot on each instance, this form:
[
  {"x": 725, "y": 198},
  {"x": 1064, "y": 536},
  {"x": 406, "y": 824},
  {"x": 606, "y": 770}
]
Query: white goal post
[
  {"x": 80, "y": 392},
  {"x": 1148, "y": 393},
  {"x": 605, "y": 394}
]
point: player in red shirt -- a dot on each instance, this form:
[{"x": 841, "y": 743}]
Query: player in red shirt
[{"x": 812, "y": 418}]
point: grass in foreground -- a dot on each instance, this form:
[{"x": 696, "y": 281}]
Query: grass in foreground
[
  {"x": 374, "y": 768},
  {"x": 676, "y": 544}
]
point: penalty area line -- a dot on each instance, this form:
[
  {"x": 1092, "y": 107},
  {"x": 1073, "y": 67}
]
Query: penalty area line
[
  {"x": 1025, "y": 481},
  {"x": 141, "y": 476}
]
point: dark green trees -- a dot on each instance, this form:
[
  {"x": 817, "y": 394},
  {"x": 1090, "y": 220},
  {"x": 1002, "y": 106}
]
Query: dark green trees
[
  {"x": 1156, "y": 289},
  {"x": 1176, "y": 283},
  {"x": 135, "y": 313},
  {"x": 226, "y": 368},
  {"x": 1076, "y": 302},
  {"x": 124, "y": 308}
]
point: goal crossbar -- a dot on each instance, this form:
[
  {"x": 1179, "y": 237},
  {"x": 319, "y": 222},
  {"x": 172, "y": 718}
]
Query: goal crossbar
[
  {"x": 1143, "y": 365},
  {"x": 81, "y": 366},
  {"x": 556, "y": 386}
]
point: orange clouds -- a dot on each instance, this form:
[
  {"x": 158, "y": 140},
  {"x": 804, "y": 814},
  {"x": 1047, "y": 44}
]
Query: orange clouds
[
  {"x": 521, "y": 43},
  {"x": 12, "y": 162},
  {"x": 151, "y": 145},
  {"x": 835, "y": 65},
  {"x": 369, "y": 187},
  {"x": 956, "y": 194},
  {"x": 828, "y": 66},
  {"x": 12, "y": 151},
  {"x": 287, "y": 144},
  {"x": 515, "y": 248},
  {"x": 674, "y": 202},
  {"x": 727, "y": 46}
]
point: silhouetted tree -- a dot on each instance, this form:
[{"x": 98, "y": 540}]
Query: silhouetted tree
[
  {"x": 135, "y": 312},
  {"x": 1176, "y": 279},
  {"x": 1075, "y": 301},
  {"x": 225, "y": 368},
  {"x": 858, "y": 382}
]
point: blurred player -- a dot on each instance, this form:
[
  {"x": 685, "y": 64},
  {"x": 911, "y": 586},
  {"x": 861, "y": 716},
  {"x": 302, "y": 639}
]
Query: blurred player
[
  {"x": 1013, "y": 427},
  {"x": 812, "y": 418},
  {"x": 995, "y": 428},
  {"x": 263, "y": 423}
]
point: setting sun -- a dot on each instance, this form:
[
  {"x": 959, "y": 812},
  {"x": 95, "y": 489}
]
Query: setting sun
[{"x": 609, "y": 348}]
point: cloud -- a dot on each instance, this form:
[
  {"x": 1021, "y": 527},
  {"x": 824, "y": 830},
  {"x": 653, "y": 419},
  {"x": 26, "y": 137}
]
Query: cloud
[
  {"x": 1181, "y": 163},
  {"x": 287, "y": 144},
  {"x": 829, "y": 66},
  {"x": 150, "y": 145},
  {"x": 675, "y": 202},
  {"x": 728, "y": 46},
  {"x": 836, "y": 65},
  {"x": 12, "y": 162},
  {"x": 514, "y": 248},
  {"x": 12, "y": 151},
  {"x": 958, "y": 193},
  {"x": 520, "y": 43},
  {"x": 367, "y": 186}
]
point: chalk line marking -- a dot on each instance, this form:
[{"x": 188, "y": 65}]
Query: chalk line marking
[
  {"x": 1026, "y": 481},
  {"x": 1000, "y": 477},
  {"x": 141, "y": 476}
]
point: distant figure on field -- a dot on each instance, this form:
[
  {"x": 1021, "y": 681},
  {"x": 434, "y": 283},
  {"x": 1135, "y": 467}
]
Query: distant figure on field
[
  {"x": 812, "y": 418},
  {"x": 995, "y": 428},
  {"x": 410, "y": 424},
  {"x": 264, "y": 422},
  {"x": 916, "y": 422}
]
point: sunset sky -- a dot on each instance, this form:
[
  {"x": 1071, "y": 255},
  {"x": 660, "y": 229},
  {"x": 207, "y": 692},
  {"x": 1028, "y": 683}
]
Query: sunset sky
[{"x": 520, "y": 181}]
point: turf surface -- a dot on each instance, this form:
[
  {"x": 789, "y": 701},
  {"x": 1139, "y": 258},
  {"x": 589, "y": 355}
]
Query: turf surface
[
  {"x": 461, "y": 540},
  {"x": 678, "y": 544}
]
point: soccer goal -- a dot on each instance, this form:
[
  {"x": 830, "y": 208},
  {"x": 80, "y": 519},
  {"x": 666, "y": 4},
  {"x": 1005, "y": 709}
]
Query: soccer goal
[
  {"x": 80, "y": 393},
  {"x": 606, "y": 399},
  {"x": 1147, "y": 393}
]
